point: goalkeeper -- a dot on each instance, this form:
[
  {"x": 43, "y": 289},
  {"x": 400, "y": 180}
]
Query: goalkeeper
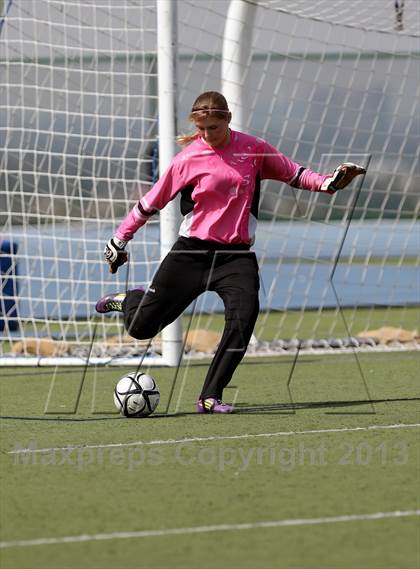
[{"x": 218, "y": 175}]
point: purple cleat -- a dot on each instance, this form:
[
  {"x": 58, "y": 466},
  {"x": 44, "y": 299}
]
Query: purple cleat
[
  {"x": 110, "y": 303},
  {"x": 213, "y": 405},
  {"x": 113, "y": 302}
]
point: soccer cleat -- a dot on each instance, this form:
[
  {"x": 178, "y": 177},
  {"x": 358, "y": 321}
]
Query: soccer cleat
[
  {"x": 113, "y": 302},
  {"x": 110, "y": 303},
  {"x": 212, "y": 405}
]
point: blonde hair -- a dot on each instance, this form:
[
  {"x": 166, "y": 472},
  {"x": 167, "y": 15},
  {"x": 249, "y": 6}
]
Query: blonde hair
[{"x": 208, "y": 104}]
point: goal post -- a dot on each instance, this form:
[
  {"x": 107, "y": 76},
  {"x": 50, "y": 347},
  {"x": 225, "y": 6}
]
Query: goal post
[
  {"x": 172, "y": 345},
  {"x": 236, "y": 58}
]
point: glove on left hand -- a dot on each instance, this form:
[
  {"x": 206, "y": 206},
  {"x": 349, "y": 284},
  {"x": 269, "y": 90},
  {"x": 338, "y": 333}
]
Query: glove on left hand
[{"x": 342, "y": 177}]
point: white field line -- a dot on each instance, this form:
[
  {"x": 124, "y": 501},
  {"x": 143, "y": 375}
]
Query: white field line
[
  {"x": 207, "y": 529},
  {"x": 215, "y": 438}
]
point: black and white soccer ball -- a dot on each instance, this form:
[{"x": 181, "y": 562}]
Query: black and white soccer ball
[{"x": 136, "y": 395}]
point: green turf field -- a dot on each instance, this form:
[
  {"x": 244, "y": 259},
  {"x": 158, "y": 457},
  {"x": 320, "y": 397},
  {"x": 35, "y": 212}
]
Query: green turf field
[{"x": 317, "y": 471}]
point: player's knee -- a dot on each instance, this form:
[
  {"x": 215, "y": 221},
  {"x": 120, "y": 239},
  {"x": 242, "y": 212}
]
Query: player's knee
[
  {"x": 243, "y": 317},
  {"x": 249, "y": 309},
  {"x": 141, "y": 331}
]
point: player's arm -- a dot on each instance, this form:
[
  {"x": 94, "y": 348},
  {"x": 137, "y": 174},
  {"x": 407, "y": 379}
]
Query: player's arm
[
  {"x": 165, "y": 189},
  {"x": 343, "y": 175},
  {"x": 277, "y": 166}
]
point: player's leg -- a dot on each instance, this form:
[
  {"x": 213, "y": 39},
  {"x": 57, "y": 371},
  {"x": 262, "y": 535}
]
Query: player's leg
[
  {"x": 237, "y": 283},
  {"x": 170, "y": 293},
  {"x": 177, "y": 282},
  {"x": 181, "y": 277}
]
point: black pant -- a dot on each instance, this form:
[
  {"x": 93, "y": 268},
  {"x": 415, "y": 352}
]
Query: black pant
[{"x": 192, "y": 267}]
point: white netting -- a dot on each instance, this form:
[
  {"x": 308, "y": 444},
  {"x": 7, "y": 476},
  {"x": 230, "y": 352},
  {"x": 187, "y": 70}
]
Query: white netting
[
  {"x": 325, "y": 82},
  {"x": 328, "y": 82},
  {"x": 78, "y": 128},
  {"x": 379, "y": 15}
]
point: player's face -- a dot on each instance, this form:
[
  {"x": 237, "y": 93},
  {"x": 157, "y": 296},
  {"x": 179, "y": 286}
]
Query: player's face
[{"x": 214, "y": 131}]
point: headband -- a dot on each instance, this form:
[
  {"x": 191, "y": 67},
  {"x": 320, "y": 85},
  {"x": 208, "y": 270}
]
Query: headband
[{"x": 208, "y": 110}]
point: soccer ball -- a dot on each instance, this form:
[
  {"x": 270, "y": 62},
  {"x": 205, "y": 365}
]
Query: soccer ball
[{"x": 136, "y": 395}]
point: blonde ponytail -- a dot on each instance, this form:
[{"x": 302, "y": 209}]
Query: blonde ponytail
[{"x": 185, "y": 139}]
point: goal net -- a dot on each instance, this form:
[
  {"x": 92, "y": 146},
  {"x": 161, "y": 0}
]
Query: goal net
[
  {"x": 79, "y": 131},
  {"x": 325, "y": 82}
]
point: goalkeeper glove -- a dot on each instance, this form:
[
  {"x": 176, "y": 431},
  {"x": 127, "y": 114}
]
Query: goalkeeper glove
[
  {"x": 114, "y": 254},
  {"x": 342, "y": 177}
]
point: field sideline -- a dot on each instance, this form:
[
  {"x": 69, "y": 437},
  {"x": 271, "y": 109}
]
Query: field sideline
[{"x": 320, "y": 473}]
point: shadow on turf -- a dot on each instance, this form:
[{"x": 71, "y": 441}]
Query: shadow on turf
[
  {"x": 241, "y": 408},
  {"x": 62, "y": 419},
  {"x": 273, "y": 408},
  {"x": 90, "y": 419}
]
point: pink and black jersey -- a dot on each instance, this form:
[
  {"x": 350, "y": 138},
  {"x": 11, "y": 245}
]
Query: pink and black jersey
[{"x": 219, "y": 188}]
